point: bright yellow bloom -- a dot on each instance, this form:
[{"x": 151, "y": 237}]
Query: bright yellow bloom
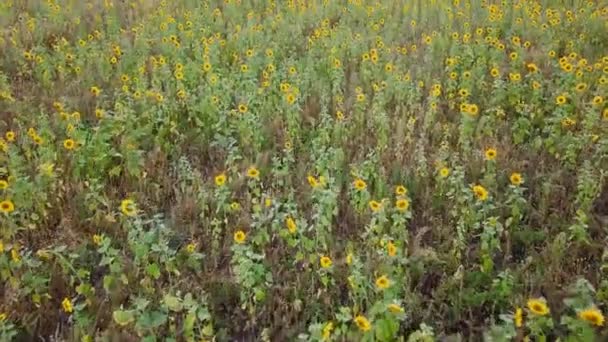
[
  {"x": 391, "y": 249},
  {"x": 252, "y": 172},
  {"x": 10, "y": 136},
  {"x": 516, "y": 178},
  {"x": 66, "y": 304},
  {"x": 291, "y": 225},
  {"x": 375, "y": 206},
  {"x": 3, "y": 184},
  {"x": 444, "y": 172},
  {"x": 395, "y": 308},
  {"x": 592, "y": 315},
  {"x": 480, "y": 192},
  {"x": 97, "y": 239},
  {"x": 400, "y": 190},
  {"x": 128, "y": 207},
  {"x": 598, "y": 100},
  {"x": 402, "y": 204},
  {"x": 359, "y": 184},
  {"x": 325, "y": 261},
  {"x": 560, "y": 100},
  {"x": 69, "y": 144},
  {"x": 326, "y": 334},
  {"x": 220, "y": 179},
  {"x": 240, "y": 236},
  {"x": 383, "y": 282},
  {"x": 491, "y": 154},
  {"x": 7, "y": 206},
  {"x": 362, "y": 323},
  {"x": 312, "y": 181},
  {"x": 518, "y": 317},
  {"x": 95, "y": 91},
  {"x": 538, "y": 306}
]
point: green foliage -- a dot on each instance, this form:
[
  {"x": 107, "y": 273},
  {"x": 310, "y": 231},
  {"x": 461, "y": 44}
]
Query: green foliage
[{"x": 315, "y": 170}]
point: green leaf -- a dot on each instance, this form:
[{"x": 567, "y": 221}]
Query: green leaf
[
  {"x": 153, "y": 271},
  {"x": 123, "y": 317},
  {"x": 151, "y": 320},
  {"x": 173, "y": 303}
]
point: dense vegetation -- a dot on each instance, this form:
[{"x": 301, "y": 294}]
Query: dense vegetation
[{"x": 303, "y": 170}]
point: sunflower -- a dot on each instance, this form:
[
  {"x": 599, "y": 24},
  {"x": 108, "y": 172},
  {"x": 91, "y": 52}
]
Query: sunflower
[
  {"x": 240, "y": 236},
  {"x": 312, "y": 181},
  {"x": 252, "y": 172},
  {"x": 592, "y": 315},
  {"x": 472, "y": 109},
  {"x": 598, "y": 100},
  {"x": 339, "y": 115},
  {"x": 560, "y": 100},
  {"x": 518, "y": 317},
  {"x": 234, "y": 206},
  {"x": 325, "y": 262},
  {"x": 97, "y": 239},
  {"x": 38, "y": 140},
  {"x": 290, "y": 98},
  {"x": 383, "y": 282},
  {"x": 7, "y": 206},
  {"x": 581, "y": 87},
  {"x": 69, "y": 144},
  {"x": 491, "y": 154},
  {"x": 220, "y": 179},
  {"x": 516, "y": 178},
  {"x": 538, "y": 306},
  {"x": 391, "y": 249},
  {"x": 349, "y": 258},
  {"x": 128, "y": 207},
  {"x": 66, "y": 304},
  {"x": 402, "y": 204},
  {"x": 362, "y": 323},
  {"x": 191, "y": 247},
  {"x": 375, "y": 206},
  {"x": 444, "y": 172},
  {"x": 10, "y": 136},
  {"x": 532, "y": 67},
  {"x": 242, "y": 108},
  {"x": 327, "y": 331},
  {"x": 395, "y": 308},
  {"x": 291, "y": 225},
  {"x": 3, "y": 184},
  {"x": 480, "y": 192},
  {"x": 400, "y": 190},
  {"x": 95, "y": 91},
  {"x": 359, "y": 184}
]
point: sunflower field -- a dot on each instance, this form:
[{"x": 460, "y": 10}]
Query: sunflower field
[{"x": 303, "y": 170}]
